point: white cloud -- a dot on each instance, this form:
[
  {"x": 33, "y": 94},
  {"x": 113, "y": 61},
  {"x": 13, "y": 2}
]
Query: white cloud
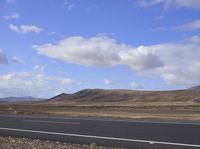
[
  {"x": 68, "y": 5},
  {"x": 96, "y": 51},
  {"x": 67, "y": 81},
  {"x": 107, "y": 82},
  {"x": 181, "y": 62},
  {"x": 188, "y": 3},
  {"x": 141, "y": 59},
  {"x": 133, "y": 85},
  {"x": 11, "y": 16},
  {"x": 99, "y": 51},
  {"x": 176, "y": 63},
  {"x": 194, "y": 25},
  {"x": 170, "y": 3},
  {"x": 14, "y": 28},
  {"x": 3, "y": 59},
  {"x": 17, "y": 60},
  {"x": 190, "y": 26},
  {"x": 33, "y": 83},
  {"x": 25, "y": 29}
]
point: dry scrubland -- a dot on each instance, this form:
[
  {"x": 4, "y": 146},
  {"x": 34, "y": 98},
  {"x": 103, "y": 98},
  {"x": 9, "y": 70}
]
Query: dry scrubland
[
  {"x": 163, "y": 105},
  {"x": 139, "y": 112}
]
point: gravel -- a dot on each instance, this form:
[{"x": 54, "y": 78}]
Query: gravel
[{"x": 25, "y": 143}]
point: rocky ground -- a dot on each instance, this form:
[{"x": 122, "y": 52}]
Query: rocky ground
[{"x": 24, "y": 143}]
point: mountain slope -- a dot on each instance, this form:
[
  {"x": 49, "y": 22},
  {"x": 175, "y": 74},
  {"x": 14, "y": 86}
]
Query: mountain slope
[{"x": 105, "y": 96}]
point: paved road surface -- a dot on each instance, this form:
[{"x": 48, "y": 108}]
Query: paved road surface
[{"x": 123, "y": 133}]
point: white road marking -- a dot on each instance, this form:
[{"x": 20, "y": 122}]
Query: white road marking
[
  {"x": 101, "y": 137},
  {"x": 41, "y": 121}
]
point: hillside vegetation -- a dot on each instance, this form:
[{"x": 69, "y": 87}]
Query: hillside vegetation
[{"x": 127, "y": 97}]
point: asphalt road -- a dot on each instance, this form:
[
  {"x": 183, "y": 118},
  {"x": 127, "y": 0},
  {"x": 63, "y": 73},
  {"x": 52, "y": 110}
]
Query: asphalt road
[{"x": 108, "y": 132}]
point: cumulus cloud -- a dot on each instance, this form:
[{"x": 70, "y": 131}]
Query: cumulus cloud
[
  {"x": 170, "y": 3},
  {"x": 25, "y": 28},
  {"x": 96, "y": 51},
  {"x": 176, "y": 63},
  {"x": 99, "y": 51},
  {"x": 3, "y": 59},
  {"x": 33, "y": 83},
  {"x": 181, "y": 62},
  {"x": 141, "y": 59},
  {"x": 17, "y": 60},
  {"x": 11, "y": 16}
]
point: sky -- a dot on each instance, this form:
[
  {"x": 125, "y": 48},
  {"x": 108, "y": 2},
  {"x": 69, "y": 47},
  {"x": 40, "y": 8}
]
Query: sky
[{"x": 48, "y": 47}]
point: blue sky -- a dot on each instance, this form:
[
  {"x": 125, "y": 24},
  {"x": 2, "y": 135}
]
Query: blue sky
[{"x": 52, "y": 46}]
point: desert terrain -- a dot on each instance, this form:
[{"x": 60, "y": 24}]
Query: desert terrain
[{"x": 157, "y": 105}]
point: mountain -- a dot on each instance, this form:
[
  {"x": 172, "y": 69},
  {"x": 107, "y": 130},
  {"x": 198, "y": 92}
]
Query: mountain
[
  {"x": 19, "y": 99},
  {"x": 195, "y": 88},
  {"x": 126, "y": 96}
]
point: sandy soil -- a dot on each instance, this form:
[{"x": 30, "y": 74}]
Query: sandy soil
[{"x": 186, "y": 113}]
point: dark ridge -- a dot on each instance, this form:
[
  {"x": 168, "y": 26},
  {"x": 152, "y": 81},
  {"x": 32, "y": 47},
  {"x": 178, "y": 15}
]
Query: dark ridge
[{"x": 59, "y": 96}]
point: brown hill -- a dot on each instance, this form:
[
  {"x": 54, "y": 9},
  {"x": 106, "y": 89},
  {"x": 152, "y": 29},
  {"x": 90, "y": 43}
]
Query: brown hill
[{"x": 127, "y": 96}]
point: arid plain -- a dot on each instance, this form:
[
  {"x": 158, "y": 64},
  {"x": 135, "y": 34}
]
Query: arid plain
[{"x": 143, "y": 105}]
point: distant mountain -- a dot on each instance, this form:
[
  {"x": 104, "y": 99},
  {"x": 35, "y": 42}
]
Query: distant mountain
[
  {"x": 195, "y": 88},
  {"x": 126, "y": 96},
  {"x": 20, "y": 99}
]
